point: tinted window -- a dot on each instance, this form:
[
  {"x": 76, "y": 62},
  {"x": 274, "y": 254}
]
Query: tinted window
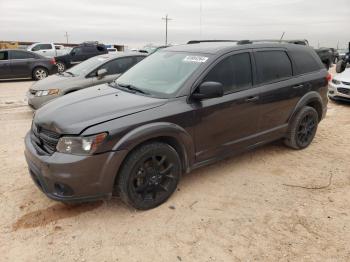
[
  {"x": 119, "y": 66},
  {"x": 90, "y": 49},
  {"x": 45, "y": 46},
  {"x": 77, "y": 50},
  {"x": 3, "y": 55},
  {"x": 304, "y": 61},
  {"x": 21, "y": 55},
  {"x": 233, "y": 72},
  {"x": 272, "y": 66}
]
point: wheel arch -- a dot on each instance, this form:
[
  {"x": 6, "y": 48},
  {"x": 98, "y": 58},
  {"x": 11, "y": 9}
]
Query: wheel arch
[
  {"x": 312, "y": 99},
  {"x": 168, "y": 133}
]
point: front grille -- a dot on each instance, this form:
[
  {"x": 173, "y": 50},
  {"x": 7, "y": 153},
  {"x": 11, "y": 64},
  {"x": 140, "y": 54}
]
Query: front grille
[
  {"x": 344, "y": 91},
  {"x": 346, "y": 83},
  {"x": 45, "y": 141}
]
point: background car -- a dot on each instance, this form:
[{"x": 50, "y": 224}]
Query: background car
[
  {"x": 339, "y": 87},
  {"x": 48, "y": 49},
  {"x": 94, "y": 71},
  {"x": 20, "y": 64},
  {"x": 79, "y": 54}
]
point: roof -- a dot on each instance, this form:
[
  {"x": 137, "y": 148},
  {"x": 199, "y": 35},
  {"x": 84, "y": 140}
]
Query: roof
[
  {"x": 223, "y": 47},
  {"x": 121, "y": 54}
]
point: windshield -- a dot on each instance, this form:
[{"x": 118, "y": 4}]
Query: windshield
[
  {"x": 87, "y": 66},
  {"x": 162, "y": 73}
]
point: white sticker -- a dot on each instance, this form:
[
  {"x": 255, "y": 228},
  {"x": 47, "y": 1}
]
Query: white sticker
[{"x": 195, "y": 59}]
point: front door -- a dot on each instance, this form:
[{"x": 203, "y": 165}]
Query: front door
[{"x": 227, "y": 123}]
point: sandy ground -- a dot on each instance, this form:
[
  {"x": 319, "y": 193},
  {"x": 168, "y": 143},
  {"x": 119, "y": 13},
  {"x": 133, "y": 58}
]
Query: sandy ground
[{"x": 236, "y": 210}]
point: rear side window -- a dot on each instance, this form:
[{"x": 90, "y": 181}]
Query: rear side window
[
  {"x": 3, "y": 55},
  {"x": 234, "y": 72},
  {"x": 272, "y": 66},
  {"x": 304, "y": 61},
  {"x": 21, "y": 55},
  {"x": 45, "y": 46}
]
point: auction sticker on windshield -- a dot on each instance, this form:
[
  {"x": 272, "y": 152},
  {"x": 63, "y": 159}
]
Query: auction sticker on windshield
[{"x": 195, "y": 59}]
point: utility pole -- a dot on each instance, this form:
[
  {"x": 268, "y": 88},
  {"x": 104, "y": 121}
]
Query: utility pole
[
  {"x": 166, "y": 28},
  {"x": 282, "y": 36},
  {"x": 200, "y": 19},
  {"x": 66, "y": 35}
]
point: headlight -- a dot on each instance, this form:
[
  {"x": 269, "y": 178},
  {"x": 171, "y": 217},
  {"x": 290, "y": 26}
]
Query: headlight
[
  {"x": 79, "y": 145},
  {"x": 47, "y": 92},
  {"x": 334, "y": 81}
]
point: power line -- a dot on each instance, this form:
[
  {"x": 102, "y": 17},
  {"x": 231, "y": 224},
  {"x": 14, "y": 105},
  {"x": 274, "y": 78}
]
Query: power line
[{"x": 166, "y": 28}]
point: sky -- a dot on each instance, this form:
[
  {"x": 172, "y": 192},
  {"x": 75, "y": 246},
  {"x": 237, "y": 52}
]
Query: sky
[{"x": 136, "y": 23}]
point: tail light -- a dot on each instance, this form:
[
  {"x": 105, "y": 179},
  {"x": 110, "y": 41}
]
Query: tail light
[
  {"x": 52, "y": 61},
  {"x": 329, "y": 77}
]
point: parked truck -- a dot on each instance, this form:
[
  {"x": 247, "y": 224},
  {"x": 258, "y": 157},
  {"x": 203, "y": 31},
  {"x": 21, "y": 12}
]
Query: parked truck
[{"x": 48, "y": 49}]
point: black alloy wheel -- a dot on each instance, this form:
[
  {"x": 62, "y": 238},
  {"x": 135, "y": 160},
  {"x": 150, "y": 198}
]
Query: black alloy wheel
[{"x": 149, "y": 175}]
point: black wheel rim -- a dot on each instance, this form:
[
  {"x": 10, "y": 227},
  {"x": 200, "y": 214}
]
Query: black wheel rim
[
  {"x": 306, "y": 129},
  {"x": 154, "y": 178}
]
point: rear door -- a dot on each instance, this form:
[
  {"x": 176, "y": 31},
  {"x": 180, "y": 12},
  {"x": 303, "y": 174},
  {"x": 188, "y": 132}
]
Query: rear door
[
  {"x": 78, "y": 55},
  {"x": 5, "y": 65},
  {"x": 227, "y": 123},
  {"x": 21, "y": 63},
  {"x": 279, "y": 90}
]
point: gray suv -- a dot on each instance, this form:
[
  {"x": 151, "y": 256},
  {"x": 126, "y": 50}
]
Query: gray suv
[{"x": 180, "y": 108}]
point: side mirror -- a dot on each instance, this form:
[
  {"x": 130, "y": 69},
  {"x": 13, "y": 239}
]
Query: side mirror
[
  {"x": 208, "y": 90},
  {"x": 341, "y": 66},
  {"x": 101, "y": 73}
]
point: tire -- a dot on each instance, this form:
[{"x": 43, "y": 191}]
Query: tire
[
  {"x": 61, "y": 67},
  {"x": 40, "y": 73},
  {"x": 149, "y": 176},
  {"x": 302, "y": 129}
]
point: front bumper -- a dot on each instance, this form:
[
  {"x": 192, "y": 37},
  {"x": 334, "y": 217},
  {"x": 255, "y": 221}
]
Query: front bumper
[
  {"x": 38, "y": 101},
  {"x": 68, "y": 178},
  {"x": 339, "y": 92}
]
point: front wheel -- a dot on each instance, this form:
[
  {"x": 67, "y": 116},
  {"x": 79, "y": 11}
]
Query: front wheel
[
  {"x": 40, "y": 73},
  {"x": 303, "y": 128},
  {"x": 149, "y": 175}
]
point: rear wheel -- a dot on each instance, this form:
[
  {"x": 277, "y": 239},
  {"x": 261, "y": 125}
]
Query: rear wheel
[
  {"x": 302, "y": 129},
  {"x": 40, "y": 73},
  {"x": 149, "y": 176},
  {"x": 60, "y": 66}
]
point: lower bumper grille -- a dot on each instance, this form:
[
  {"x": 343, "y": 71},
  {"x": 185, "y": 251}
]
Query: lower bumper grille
[{"x": 344, "y": 91}]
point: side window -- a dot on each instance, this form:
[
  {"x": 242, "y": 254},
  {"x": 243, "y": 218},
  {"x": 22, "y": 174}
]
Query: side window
[
  {"x": 20, "y": 55},
  {"x": 304, "y": 62},
  {"x": 45, "y": 47},
  {"x": 36, "y": 48},
  {"x": 77, "y": 50},
  {"x": 3, "y": 55},
  {"x": 118, "y": 66},
  {"x": 272, "y": 66},
  {"x": 234, "y": 72},
  {"x": 90, "y": 49}
]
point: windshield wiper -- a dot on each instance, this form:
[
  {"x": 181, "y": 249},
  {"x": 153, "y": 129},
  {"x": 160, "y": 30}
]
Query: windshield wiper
[{"x": 132, "y": 88}]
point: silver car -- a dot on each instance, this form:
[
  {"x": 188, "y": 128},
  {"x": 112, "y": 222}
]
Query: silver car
[
  {"x": 94, "y": 71},
  {"x": 339, "y": 87}
]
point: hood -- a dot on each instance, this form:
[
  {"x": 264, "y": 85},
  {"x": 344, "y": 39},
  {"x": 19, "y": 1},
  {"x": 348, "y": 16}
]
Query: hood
[
  {"x": 57, "y": 81},
  {"x": 344, "y": 76},
  {"x": 73, "y": 113}
]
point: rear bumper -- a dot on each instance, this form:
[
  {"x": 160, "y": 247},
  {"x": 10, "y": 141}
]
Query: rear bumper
[{"x": 71, "y": 178}]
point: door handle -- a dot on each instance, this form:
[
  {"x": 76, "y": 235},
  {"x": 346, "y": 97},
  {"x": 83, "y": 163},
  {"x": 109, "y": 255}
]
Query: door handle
[
  {"x": 298, "y": 86},
  {"x": 251, "y": 99}
]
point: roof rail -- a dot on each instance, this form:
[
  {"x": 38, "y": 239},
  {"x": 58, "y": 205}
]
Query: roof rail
[
  {"x": 245, "y": 42},
  {"x": 209, "y": 41}
]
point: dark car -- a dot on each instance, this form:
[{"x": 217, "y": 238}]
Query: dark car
[
  {"x": 94, "y": 71},
  {"x": 20, "y": 64},
  {"x": 79, "y": 54},
  {"x": 180, "y": 108}
]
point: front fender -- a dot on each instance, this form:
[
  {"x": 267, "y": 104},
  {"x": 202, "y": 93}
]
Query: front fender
[{"x": 151, "y": 131}]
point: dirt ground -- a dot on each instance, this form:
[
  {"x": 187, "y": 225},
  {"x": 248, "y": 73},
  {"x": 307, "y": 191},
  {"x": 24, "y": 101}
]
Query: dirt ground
[{"x": 240, "y": 209}]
